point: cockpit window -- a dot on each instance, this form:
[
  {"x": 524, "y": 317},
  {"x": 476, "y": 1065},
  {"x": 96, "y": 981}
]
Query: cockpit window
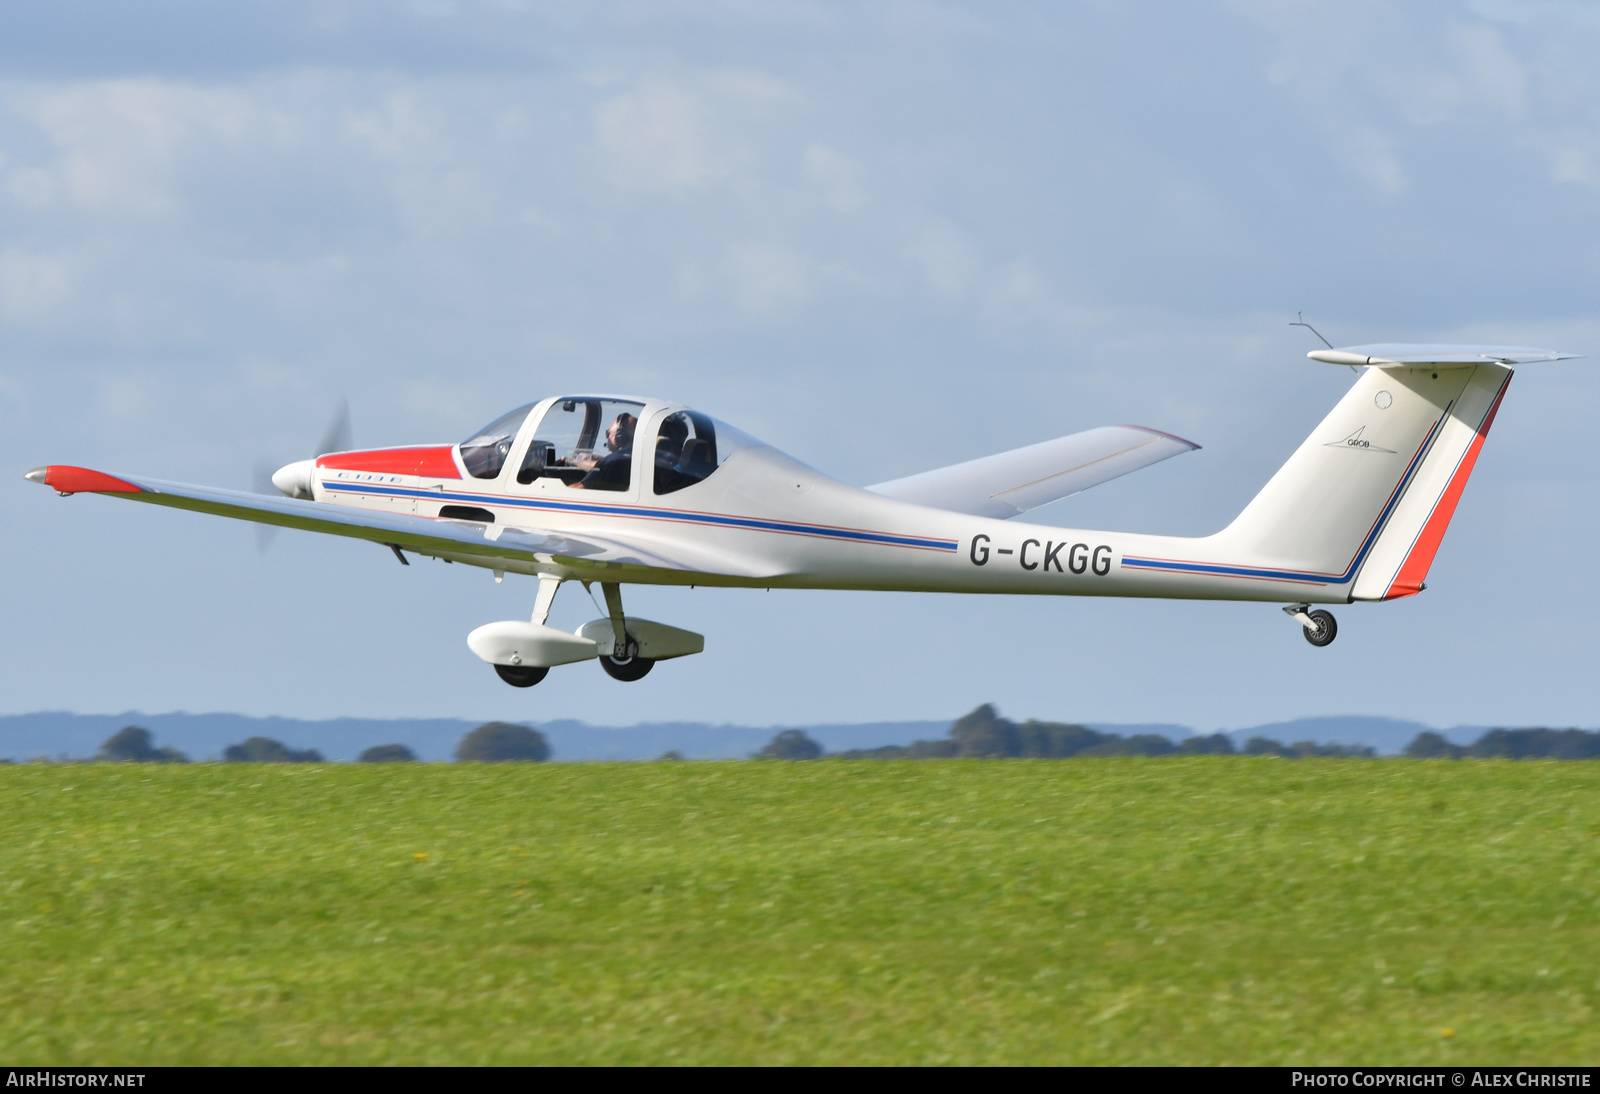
[
  {"x": 485, "y": 451},
  {"x": 690, "y": 446},
  {"x": 587, "y": 443}
]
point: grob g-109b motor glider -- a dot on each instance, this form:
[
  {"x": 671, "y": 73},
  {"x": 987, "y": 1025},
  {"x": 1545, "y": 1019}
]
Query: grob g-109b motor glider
[{"x": 613, "y": 490}]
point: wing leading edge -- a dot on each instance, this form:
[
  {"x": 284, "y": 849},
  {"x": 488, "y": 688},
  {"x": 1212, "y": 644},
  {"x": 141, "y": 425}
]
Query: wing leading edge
[
  {"x": 464, "y": 540},
  {"x": 1010, "y": 483}
]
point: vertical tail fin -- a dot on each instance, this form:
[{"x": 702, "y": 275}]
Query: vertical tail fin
[{"x": 1366, "y": 498}]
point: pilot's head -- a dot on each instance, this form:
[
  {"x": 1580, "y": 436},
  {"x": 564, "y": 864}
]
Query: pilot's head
[{"x": 620, "y": 434}]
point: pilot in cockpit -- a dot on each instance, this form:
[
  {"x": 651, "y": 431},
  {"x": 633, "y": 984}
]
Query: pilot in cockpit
[{"x": 612, "y": 470}]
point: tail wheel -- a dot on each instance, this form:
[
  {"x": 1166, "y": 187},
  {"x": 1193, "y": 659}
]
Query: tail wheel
[
  {"x": 627, "y": 669},
  {"x": 521, "y": 676},
  {"x": 1326, "y": 628}
]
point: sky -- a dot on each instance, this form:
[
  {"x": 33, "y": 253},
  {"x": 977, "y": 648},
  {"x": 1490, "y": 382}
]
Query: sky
[{"x": 883, "y": 237}]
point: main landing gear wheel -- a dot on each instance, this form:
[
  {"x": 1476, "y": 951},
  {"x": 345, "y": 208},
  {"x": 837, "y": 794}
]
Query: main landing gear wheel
[
  {"x": 1326, "y": 628},
  {"x": 627, "y": 669},
  {"x": 521, "y": 676}
]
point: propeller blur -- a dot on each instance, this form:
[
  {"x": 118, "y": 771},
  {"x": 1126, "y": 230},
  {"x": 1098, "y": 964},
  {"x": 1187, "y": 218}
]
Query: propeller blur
[{"x": 337, "y": 437}]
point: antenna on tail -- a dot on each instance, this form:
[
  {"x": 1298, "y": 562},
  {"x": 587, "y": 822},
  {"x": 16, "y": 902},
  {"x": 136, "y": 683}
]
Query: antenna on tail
[{"x": 1299, "y": 320}]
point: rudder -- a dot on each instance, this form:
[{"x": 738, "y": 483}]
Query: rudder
[{"x": 1398, "y": 563}]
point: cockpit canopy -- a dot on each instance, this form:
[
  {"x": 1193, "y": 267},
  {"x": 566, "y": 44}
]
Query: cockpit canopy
[
  {"x": 587, "y": 442},
  {"x": 485, "y": 451}
]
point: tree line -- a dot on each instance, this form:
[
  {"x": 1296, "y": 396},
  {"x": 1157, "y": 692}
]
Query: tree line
[
  {"x": 1510, "y": 744},
  {"x": 981, "y": 734},
  {"x": 493, "y": 742},
  {"x": 985, "y": 734}
]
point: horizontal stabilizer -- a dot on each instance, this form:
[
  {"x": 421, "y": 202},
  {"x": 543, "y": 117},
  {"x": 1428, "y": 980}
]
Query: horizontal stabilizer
[
  {"x": 1010, "y": 483},
  {"x": 1404, "y": 354}
]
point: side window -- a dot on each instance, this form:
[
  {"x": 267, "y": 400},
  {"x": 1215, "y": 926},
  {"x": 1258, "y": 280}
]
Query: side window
[
  {"x": 691, "y": 445},
  {"x": 686, "y": 451},
  {"x": 485, "y": 451},
  {"x": 585, "y": 443}
]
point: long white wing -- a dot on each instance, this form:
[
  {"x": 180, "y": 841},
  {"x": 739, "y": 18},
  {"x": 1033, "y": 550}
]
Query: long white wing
[
  {"x": 464, "y": 540},
  {"x": 1010, "y": 483}
]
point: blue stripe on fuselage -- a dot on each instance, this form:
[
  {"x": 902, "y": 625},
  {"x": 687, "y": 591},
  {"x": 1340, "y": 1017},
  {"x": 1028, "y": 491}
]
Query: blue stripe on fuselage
[{"x": 647, "y": 513}]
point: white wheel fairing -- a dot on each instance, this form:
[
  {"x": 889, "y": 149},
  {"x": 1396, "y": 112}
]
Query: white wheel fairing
[{"x": 513, "y": 642}]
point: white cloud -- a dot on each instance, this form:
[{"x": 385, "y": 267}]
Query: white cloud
[
  {"x": 1573, "y": 160},
  {"x": 1491, "y": 72},
  {"x": 681, "y": 134},
  {"x": 121, "y": 146},
  {"x": 836, "y": 175},
  {"x": 1369, "y": 152},
  {"x": 767, "y": 279},
  {"x": 129, "y": 396},
  {"x": 657, "y": 139},
  {"x": 32, "y": 286},
  {"x": 1561, "y": 14},
  {"x": 1375, "y": 79},
  {"x": 945, "y": 255}
]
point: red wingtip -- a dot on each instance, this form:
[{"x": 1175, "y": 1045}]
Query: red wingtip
[{"x": 81, "y": 480}]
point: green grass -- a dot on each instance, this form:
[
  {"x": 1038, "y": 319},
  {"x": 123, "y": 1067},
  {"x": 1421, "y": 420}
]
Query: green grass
[{"x": 1207, "y": 910}]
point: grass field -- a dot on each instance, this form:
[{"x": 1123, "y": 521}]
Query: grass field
[{"x": 1206, "y": 910}]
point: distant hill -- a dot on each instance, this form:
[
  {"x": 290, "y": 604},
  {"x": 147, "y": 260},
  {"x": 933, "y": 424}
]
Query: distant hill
[
  {"x": 204, "y": 736},
  {"x": 1387, "y": 735}
]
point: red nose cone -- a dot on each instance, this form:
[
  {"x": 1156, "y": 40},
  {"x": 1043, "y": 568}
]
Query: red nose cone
[{"x": 433, "y": 461}]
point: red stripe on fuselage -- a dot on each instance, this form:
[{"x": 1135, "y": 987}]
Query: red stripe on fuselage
[
  {"x": 432, "y": 462},
  {"x": 80, "y": 480},
  {"x": 1414, "y": 570}
]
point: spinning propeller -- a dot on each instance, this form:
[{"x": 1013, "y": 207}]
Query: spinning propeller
[{"x": 294, "y": 479}]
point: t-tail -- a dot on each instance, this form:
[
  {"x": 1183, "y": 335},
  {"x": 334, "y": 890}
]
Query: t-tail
[{"x": 1363, "y": 504}]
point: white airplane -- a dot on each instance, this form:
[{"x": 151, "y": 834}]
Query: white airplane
[{"x": 613, "y": 489}]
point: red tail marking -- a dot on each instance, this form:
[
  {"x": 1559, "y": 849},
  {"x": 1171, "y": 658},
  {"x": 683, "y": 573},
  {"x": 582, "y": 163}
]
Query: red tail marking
[
  {"x": 80, "y": 480},
  {"x": 433, "y": 462},
  {"x": 1414, "y": 570}
]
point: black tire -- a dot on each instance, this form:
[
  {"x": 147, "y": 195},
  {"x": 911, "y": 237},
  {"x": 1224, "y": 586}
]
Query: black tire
[
  {"x": 626, "y": 669},
  {"x": 1327, "y": 629},
  {"x": 521, "y": 676}
]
